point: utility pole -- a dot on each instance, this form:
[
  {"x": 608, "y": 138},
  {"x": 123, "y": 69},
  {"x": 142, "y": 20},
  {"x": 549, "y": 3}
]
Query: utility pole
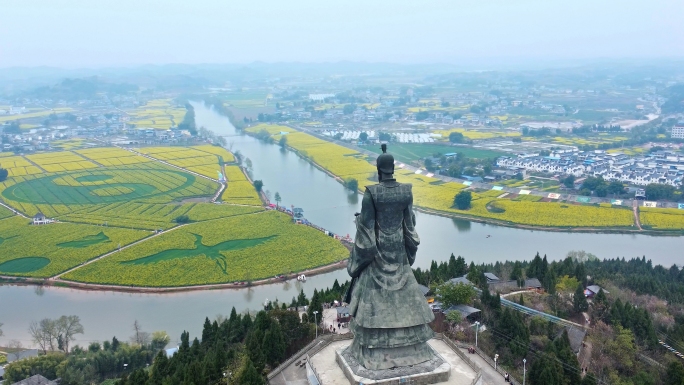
[
  {"x": 524, "y": 370},
  {"x": 477, "y": 330},
  {"x": 496, "y": 356}
]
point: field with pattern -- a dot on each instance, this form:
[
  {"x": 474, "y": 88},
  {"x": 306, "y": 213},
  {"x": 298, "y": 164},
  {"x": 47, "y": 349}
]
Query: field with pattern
[
  {"x": 102, "y": 199},
  {"x": 244, "y": 248}
]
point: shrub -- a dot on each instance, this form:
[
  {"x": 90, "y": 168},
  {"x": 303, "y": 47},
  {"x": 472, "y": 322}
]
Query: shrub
[
  {"x": 182, "y": 219},
  {"x": 462, "y": 200}
]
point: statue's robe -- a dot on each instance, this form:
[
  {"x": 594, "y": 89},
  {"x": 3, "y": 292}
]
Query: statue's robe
[{"x": 390, "y": 313}]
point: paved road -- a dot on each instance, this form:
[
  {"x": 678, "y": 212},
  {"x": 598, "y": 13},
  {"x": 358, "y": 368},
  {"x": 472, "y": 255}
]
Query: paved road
[{"x": 489, "y": 375}]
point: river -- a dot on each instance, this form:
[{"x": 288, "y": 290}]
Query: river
[{"x": 326, "y": 203}]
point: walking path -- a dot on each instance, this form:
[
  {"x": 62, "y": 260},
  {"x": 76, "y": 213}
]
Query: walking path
[
  {"x": 530, "y": 311},
  {"x": 35, "y": 164},
  {"x": 13, "y": 210},
  {"x": 635, "y": 209},
  {"x": 489, "y": 375}
]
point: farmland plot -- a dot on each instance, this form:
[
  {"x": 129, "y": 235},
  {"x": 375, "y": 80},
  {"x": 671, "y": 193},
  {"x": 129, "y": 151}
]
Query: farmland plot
[{"x": 241, "y": 248}]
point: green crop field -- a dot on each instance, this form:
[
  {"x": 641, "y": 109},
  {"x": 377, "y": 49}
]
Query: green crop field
[
  {"x": 409, "y": 152},
  {"x": 151, "y": 182},
  {"x": 152, "y": 216},
  {"x": 240, "y": 248},
  {"x": 46, "y": 250},
  {"x": 122, "y": 198}
]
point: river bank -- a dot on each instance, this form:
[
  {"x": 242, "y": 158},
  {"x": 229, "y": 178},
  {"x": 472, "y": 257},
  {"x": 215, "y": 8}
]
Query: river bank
[
  {"x": 492, "y": 221},
  {"x": 9, "y": 280},
  {"x": 106, "y": 313}
]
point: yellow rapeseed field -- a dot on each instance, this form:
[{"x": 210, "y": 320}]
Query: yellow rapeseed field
[
  {"x": 252, "y": 247},
  {"x": 431, "y": 193},
  {"x": 112, "y": 156},
  {"x": 662, "y": 219},
  {"x": 339, "y": 160},
  {"x": 239, "y": 190},
  {"x": 477, "y": 134}
]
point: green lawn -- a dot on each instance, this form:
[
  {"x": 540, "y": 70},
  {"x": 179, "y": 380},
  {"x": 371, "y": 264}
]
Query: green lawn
[{"x": 409, "y": 152}]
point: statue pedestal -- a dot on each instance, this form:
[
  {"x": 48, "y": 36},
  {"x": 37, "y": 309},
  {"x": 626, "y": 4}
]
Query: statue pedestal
[
  {"x": 429, "y": 372},
  {"x": 330, "y": 368}
]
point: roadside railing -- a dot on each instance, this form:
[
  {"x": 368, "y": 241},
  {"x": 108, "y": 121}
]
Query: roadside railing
[
  {"x": 313, "y": 369},
  {"x": 462, "y": 355},
  {"x": 491, "y": 363},
  {"x": 311, "y": 349},
  {"x": 297, "y": 356}
]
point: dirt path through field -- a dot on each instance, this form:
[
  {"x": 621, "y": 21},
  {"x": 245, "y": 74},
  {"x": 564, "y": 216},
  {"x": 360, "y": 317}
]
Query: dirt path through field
[
  {"x": 635, "y": 209},
  {"x": 12, "y": 209}
]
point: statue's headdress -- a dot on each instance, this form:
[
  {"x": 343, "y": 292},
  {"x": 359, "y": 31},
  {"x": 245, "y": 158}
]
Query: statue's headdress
[{"x": 385, "y": 161}]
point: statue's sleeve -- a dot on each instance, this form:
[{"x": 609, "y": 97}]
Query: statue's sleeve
[
  {"x": 365, "y": 248},
  {"x": 411, "y": 240}
]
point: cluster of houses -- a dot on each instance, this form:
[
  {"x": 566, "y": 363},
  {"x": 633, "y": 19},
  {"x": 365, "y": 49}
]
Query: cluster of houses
[
  {"x": 664, "y": 167},
  {"x": 373, "y": 136},
  {"x": 13, "y": 110},
  {"x": 496, "y": 285}
]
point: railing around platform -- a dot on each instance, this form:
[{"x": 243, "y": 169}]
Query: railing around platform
[
  {"x": 462, "y": 355},
  {"x": 488, "y": 360},
  {"x": 311, "y": 349}
]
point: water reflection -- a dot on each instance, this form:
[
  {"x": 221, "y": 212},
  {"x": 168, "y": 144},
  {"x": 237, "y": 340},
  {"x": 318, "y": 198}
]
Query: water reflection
[
  {"x": 353, "y": 198},
  {"x": 462, "y": 225},
  {"x": 249, "y": 294},
  {"x": 39, "y": 290}
]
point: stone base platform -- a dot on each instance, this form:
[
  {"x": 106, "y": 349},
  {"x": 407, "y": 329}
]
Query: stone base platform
[
  {"x": 429, "y": 372},
  {"x": 325, "y": 362}
]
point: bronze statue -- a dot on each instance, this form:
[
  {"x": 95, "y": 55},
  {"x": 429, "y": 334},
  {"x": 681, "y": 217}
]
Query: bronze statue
[{"x": 390, "y": 313}]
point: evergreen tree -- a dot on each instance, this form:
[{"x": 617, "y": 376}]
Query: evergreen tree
[
  {"x": 315, "y": 305},
  {"x": 262, "y": 321},
  {"x": 544, "y": 269},
  {"x": 301, "y": 299},
  {"x": 534, "y": 269},
  {"x": 461, "y": 267},
  {"x": 274, "y": 345},
  {"x": 599, "y": 307},
  {"x": 249, "y": 375},
  {"x": 254, "y": 347},
  {"x": 589, "y": 380},
  {"x": 675, "y": 374},
  {"x": 546, "y": 370},
  {"x": 451, "y": 270},
  {"x": 246, "y": 323},
  {"x": 571, "y": 370},
  {"x": 138, "y": 377},
  {"x": 159, "y": 369},
  {"x": 522, "y": 300},
  {"x": 115, "y": 344},
  {"x": 579, "y": 301},
  {"x": 208, "y": 334},
  {"x": 517, "y": 273},
  {"x": 581, "y": 274}
]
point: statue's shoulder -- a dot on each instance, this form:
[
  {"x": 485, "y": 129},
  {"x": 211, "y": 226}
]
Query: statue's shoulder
[{"x": 373, "y": 187}]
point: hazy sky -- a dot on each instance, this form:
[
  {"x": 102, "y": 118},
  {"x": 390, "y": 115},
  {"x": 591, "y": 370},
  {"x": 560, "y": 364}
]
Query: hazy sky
[{"x": 95, "y": 33}]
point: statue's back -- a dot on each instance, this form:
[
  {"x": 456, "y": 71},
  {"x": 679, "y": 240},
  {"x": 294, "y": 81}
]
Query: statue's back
[{"x": 390, "y": 200}]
